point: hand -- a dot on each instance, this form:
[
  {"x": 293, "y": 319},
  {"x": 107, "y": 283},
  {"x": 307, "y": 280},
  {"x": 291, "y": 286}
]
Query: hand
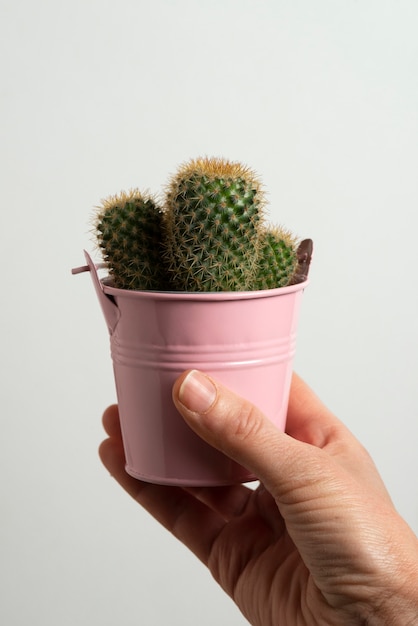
[{"x": 318, "y": 542}]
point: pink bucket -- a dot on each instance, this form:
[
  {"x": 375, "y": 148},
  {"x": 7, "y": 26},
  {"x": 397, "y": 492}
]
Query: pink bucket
[{"x": 244, "y": 339}]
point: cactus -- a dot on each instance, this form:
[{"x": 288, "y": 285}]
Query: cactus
[
  {"x": 212, "y": 211},
  {"x": 128, "y": 229},
  {"x": 210, "y": 235},
  {"x": 277, "y": 259}
]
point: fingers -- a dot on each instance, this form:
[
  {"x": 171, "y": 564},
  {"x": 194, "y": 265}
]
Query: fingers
[
  {"x": 228, "y": 501},
  {"x": 289, "y": 468},
  {"x": 308, "y": 419},
  {"x": 195, "y": 516},
  {"x": 240, "y": 430},
  {"x": 111, "y": 422},
  {"x": 186, "y": 517}
]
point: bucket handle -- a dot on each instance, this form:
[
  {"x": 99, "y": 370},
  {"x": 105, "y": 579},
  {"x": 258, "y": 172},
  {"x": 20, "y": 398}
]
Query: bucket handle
[{"x": 107, "y": 303}]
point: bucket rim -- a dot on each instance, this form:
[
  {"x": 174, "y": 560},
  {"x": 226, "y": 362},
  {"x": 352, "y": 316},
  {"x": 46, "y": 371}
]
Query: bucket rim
[{"x": 205, "y": 296}]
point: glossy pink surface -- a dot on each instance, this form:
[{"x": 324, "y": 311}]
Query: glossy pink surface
[{"x": 245, "y": 339}]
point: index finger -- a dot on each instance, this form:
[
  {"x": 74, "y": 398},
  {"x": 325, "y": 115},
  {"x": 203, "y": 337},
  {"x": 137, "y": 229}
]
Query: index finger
[
  {"x": 308, "y": 419},
  {"x": 190, "y": 520}
]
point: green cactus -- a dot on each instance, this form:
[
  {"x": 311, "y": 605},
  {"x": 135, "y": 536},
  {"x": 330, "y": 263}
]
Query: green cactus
[
  {"x": 212, "y": 213},
  {"x": 277, "y": 259},
  {"x": 129, "y": 233},
  {"x": 209, "y": 236}
]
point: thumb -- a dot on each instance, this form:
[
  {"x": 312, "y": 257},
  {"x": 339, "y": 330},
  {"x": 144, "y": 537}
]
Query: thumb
[{"x": 237, "y": 428}]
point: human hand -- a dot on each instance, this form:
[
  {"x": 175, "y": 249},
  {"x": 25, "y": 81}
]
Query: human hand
[{"x": 318, "y": 542}]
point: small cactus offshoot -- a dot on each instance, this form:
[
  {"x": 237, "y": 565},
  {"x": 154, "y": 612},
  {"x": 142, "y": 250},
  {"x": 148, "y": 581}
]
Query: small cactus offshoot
[
  {"x": 209, "y": 234},
  {"x": 129, "y": 233},
  {"x": 277, "y": 259}
]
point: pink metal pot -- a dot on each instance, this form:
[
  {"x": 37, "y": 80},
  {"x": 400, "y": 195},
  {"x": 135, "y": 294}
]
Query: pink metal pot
[{"x": 244, "y": 339}]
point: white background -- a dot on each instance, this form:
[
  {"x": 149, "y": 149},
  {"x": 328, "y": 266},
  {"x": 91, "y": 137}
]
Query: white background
[{"x": 321, "y": 98}]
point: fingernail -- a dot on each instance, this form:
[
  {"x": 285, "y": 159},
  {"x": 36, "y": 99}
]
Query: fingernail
[{"x": 197, "y": 392}]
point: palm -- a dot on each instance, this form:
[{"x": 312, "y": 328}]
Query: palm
[{"x": 255, "y": 560}]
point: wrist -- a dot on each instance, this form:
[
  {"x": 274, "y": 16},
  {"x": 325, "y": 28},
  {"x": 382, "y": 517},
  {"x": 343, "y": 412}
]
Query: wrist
[
  {"x": 399, "y": 614},
  {"x": 395, "y": 598},
  {"x": 398, "y": 605}
]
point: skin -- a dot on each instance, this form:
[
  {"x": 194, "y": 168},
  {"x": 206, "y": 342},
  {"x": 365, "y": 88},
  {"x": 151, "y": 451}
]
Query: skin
[{"x": 318, "y": 542}]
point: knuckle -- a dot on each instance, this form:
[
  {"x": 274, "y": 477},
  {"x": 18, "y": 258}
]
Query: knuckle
[{"x": 246, "y": 423}]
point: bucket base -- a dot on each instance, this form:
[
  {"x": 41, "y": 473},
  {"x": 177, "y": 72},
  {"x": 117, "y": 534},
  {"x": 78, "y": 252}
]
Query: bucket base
[{"x": 188, "y": 482}]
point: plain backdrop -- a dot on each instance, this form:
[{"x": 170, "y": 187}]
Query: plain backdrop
[{"x": 96, "y": 96}]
